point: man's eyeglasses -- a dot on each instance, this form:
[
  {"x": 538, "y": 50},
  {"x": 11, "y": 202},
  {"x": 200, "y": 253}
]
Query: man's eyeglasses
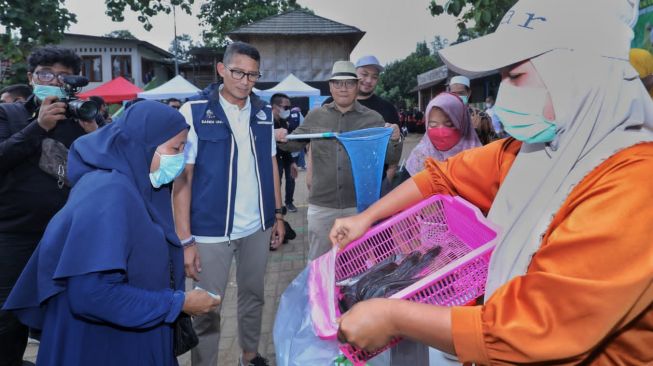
[
  {"x": 47, "y": 76},
  {"x": 284, "y": 107},
  {"x": 239, "y": 75},
  {"x": 340, "y": 84}
]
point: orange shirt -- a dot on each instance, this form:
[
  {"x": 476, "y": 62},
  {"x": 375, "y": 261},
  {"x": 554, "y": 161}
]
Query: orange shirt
[{"x": 588, "y": 293}]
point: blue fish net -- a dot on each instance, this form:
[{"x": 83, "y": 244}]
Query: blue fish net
[{"x": 366, "y": 149}]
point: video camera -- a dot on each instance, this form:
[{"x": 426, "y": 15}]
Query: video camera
[{"x": 76, "y": 108}]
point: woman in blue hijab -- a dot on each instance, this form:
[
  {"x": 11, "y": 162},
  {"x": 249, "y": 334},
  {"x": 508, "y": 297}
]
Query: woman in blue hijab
[{"x": 100, "y": 283}]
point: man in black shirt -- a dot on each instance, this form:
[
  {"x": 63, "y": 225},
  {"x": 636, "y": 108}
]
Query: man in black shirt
[
  {"x": 368, "y": 70},
  {"x": 29, "y": 197}
]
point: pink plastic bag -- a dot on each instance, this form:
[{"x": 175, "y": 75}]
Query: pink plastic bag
[{"x": 321, "y": 292}]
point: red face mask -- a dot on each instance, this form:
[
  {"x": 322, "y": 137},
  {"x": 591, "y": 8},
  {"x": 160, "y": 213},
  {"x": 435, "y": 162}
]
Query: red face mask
[{"x": 444, "y": 138}]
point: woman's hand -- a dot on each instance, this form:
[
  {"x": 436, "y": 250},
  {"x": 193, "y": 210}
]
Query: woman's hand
[
  {"x": 199, "y": 302},
  {"x": 348, "y": 229},
  {"x": 368, "y": 325}
]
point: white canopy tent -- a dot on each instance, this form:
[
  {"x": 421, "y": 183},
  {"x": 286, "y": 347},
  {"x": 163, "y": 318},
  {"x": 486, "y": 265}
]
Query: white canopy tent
[
  {"x": 177, "y": 87},
  {"x": 292, "y": 87}
]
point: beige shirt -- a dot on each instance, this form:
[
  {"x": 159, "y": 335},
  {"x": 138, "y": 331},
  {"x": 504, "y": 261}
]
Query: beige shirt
[{"x": 333, "y": 184}]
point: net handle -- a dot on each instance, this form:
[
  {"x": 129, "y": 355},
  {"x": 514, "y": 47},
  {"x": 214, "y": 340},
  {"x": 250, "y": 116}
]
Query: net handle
[{"x": 307, "y": 136}]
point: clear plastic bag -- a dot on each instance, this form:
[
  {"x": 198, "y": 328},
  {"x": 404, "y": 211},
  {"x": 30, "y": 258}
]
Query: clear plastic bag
[{"x": 295, "y": 340}]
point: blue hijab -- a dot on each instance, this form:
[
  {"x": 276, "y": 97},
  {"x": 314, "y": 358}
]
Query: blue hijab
[
  {"x": 127, "y": 146},
  {"x": 109, "y": 170}
]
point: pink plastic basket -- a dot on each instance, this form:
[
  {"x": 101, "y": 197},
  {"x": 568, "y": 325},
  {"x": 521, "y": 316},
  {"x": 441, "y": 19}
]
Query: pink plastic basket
[{"x": 455, "y": 278}]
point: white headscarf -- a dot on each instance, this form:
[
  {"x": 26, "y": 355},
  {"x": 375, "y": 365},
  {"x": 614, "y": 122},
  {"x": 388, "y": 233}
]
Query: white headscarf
[{"x": 601, "y": 107}]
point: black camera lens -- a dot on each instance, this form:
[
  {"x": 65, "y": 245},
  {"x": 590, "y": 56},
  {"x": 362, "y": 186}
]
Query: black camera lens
[{"x": 82, "y": 109}]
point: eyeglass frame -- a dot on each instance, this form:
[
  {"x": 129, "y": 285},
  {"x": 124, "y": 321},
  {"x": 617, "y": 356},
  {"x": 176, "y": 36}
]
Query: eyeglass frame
[
  {"x": 59, "y": 76},
  {"x": 258, "y": 75},
  {"x": 344, "y": 84}
]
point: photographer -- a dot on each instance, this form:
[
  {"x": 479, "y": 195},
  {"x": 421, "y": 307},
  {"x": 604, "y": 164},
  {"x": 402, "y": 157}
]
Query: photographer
[{"x": 30, "y": 196}]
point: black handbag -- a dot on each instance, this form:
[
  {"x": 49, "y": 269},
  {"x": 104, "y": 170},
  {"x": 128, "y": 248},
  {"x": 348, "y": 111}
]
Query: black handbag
[
  {"x": 184, "y": 337},
  {"x": 54, "y": 156}
]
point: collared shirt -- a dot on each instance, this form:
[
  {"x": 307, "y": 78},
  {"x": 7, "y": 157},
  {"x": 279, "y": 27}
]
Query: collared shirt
[
  {"x": 247, "y": 218},
  {"x": 333, "y": 183}
]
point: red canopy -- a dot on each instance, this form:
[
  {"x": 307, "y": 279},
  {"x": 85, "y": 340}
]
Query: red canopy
[{"x": 114, "y": 91}]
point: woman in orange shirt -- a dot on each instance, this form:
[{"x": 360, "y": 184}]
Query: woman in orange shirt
[{"x": 571, "y": 279}]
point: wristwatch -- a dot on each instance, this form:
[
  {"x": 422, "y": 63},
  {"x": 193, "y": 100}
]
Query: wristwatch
[{"x": 281, "y": 210}]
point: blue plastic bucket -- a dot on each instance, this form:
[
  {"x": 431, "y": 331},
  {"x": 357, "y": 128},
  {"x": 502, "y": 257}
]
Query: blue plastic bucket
[{"x": 366, "y": 149}]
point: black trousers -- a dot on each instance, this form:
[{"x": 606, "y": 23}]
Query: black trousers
[
  {"x": 15, "y": 251},
  {"x": 284, "y": 164}
]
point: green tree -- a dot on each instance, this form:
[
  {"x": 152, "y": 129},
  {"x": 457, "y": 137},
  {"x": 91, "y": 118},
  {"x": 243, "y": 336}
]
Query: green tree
[
  {"x": 486, "y": 14},
  {"x": 184, "y": 45},
  {"x": 422, "y": 49},
  {"x": 25, "y": 25},
  {"x": 223, "y": 16},
  {"x": 400, "y": 77},
  {"x": 121, "y": 33},
  {"x": 145, "y": 9},
  {"x": 28, "y": 25},
  {"x": 439, "y": 43}
]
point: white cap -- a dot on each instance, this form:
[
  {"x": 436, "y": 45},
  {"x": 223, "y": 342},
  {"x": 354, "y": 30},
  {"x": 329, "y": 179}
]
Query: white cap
[
  {"x": 369, "y": 60},
  {"x": 459, "y": 79},
  {"x": 533, "y": 27}
]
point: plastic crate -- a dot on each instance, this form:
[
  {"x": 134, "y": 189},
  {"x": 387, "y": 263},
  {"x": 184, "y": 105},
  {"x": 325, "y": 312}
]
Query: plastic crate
[{"x": 456, "y": 277}]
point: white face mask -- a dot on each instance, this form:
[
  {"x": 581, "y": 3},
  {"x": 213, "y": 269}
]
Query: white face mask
[
  {"x": 284, "y": 114},
  {"x": 170, "y": 166},
  {"x": 521, "y": 109}
]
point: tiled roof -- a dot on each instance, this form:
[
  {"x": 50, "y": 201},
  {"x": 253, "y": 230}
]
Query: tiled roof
[
  {"x": 145, "y": 44},
  {"x": 296, "y": 22}
]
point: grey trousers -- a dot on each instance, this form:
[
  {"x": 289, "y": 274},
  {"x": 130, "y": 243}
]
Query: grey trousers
[
  {"x": 251, "y": 260},
  {"x": 320, "y": 221}
]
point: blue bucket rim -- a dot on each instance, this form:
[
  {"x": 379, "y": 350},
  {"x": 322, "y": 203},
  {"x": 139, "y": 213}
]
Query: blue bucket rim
[{"x": 373, "y": 133}]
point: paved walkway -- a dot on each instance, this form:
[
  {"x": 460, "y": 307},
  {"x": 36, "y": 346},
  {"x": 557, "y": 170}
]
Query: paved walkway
[{"x": 283, "y": 266}]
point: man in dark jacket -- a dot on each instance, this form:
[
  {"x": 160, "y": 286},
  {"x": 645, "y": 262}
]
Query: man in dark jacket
[
  {"x": 286, "y": 162},
  {"x": 15, "y": 93},
  {"x": 29, "y": 196},
  {"x": 227, "y": 202}
]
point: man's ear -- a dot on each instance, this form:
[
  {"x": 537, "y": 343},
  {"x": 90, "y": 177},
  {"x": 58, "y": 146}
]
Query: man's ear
[{"x": 220, "y": 68}]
